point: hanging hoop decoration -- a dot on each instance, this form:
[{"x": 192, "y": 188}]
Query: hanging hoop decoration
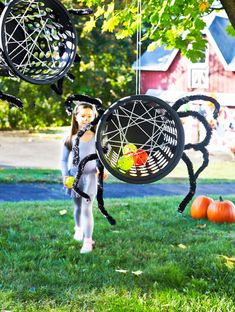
[
  {"x": 37, "y": 39},
  {"x": 140, "y": 139}
]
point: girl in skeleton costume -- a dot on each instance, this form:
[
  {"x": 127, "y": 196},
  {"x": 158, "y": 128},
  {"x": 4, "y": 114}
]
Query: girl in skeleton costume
[{"x": 83, "y": 114}]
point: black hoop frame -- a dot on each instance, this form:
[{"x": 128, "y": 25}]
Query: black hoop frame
[{"x": 150, "y": 174}]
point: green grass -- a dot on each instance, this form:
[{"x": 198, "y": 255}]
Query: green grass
[
  {"x": 216, "y": 172},
  {"x": 29, "y": 175},
  {"x": 42, "y": 270}
]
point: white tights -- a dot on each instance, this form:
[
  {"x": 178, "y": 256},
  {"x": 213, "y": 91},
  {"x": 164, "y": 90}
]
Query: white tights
[{"x": 83, "y": 215}]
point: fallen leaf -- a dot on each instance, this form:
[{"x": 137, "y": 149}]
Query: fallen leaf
[
  {"x": 229, "y": 264},
  {"x": 137, "y": 273},
  {"x": 182, "y": 246},
  {"x": 232, "y": 259},
  {"x": 121, "y": 271},
  {"x": 63, "y": 212},
  {"x": 201, "y": 226}
]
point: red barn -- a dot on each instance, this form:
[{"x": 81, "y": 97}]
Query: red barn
[
  {"x": 166, "y": 70},
  {"x": 169, "y": 76}
]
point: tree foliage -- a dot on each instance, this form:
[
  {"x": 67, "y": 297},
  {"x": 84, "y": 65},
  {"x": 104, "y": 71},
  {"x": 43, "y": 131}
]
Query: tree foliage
[
  {"x": 107, "y": 47},
  {"x": 176, "y": 23}
]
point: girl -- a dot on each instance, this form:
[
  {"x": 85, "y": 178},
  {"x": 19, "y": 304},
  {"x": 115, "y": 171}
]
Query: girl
[{"x": 83, "y": 114}]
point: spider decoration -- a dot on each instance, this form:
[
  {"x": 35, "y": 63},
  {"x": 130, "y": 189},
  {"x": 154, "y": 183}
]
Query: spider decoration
[
  {"x": 38, "y": 43},
  {"x": 148, "y": 134},
  {"x": 140, "y": 139}
]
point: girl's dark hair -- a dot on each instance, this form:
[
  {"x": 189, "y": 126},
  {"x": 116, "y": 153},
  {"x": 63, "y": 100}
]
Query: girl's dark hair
[{"x": 74, "y": 124}]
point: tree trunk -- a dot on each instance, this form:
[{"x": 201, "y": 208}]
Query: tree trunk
[{"x": 229, "y": 6}]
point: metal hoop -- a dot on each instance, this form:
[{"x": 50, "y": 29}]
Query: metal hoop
[{"x": 150, "y": 129}]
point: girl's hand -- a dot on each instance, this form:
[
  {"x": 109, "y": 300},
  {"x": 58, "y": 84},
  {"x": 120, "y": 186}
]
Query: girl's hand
[{"x": 105, "y": 175}]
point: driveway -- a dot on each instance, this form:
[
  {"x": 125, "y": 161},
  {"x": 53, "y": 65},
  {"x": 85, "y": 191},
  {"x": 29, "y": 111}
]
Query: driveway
[{"x": 21, "y": 149}]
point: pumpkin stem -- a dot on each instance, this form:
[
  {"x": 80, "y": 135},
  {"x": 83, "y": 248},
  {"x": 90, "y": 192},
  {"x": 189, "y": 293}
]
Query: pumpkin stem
[{"x": 220, "y": 198}]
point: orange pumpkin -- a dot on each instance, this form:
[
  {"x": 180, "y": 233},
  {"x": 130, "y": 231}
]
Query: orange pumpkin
[
  {"x": 199, "y": 207},
  {"x": 221, "y": 211}
]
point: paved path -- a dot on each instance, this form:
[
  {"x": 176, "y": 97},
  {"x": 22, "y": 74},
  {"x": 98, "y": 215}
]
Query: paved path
[
  {"x": 20, "y": 149},
  {"x": 25, "y": 150},
  {"x": 42, "y": 191}
]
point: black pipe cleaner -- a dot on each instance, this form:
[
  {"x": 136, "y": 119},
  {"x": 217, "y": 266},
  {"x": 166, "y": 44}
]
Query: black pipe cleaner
[
  {"x": 83, "y": 98},
  {"x": 12, "y": 100},
  {"x": 79, "y": 173},
  {"x": 186, "y": 99},
  {"x": 192, "y": 182},
  {"x": 80, "y": 12},
  {"x": 99, "y": 195},
  {"x": 201, "y": 146}
]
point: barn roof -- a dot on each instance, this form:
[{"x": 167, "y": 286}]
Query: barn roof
[
  {"x": 222, "y": 42},
  {"x": 160, "y": 59}
]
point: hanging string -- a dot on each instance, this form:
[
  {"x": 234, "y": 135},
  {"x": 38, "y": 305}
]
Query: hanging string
[{"x": 138, "y": 47}]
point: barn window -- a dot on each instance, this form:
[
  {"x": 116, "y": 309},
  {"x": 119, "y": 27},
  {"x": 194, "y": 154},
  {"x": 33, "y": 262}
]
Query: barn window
[{"x": 198, "y": 73}]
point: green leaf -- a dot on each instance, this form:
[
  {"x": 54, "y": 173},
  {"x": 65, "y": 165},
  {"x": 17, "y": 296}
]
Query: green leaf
[
  {"x": 152, "y": 46},
  {"x": 109, "y": 25}
]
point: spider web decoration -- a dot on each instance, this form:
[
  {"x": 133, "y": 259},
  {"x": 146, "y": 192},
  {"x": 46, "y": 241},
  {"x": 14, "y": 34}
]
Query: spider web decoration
[
  {"x": 152, "y": 126},
  {"x": 38, "y": 40}
]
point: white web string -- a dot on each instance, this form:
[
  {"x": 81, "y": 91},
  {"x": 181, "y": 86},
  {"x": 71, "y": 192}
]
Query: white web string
[
  {"x": 15, "y": 18},
  {"x": 122, "y": 136},
  {"x": 29, "y": 44},
  {"x": 138, "y": 46},
  {"x": 29, "y": 50},
  {"x": 158, "y": 123},
  {"x": 159, "y": 129},
  {"x": 48, "y": 44},
  {"x": 152, "y": 120}
]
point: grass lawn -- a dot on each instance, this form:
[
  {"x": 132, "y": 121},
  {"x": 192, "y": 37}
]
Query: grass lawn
[
  {"x": 152, "y": 260},
  {"x": 216, "y": 172}
]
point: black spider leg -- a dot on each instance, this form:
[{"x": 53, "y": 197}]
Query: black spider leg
[
  {"x": 99, "y": 195},
  {"x": 80, "y": 12},
  {"x": 81, "y": 166},
  {"x": 202, "y": 119},
  {"x": 201, "y": 146},
  {"x": 79, "y": 134},
  {"x": 76, "y": 156},
  {"x": 83, "y": 98},
  {"x": 192, "y": 182},
  {"x": 197, "y": 147},
  {"x": 58, "y": 86},
  {"x": 12, "y": 100},
  {"x": 189, "y": 98},
  {"x": 77, "y": 59}
]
